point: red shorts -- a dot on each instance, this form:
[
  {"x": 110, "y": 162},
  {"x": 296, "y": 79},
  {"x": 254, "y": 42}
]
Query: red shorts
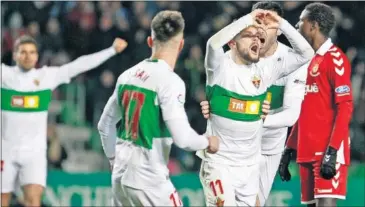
[{"x": 314, "y": 186}]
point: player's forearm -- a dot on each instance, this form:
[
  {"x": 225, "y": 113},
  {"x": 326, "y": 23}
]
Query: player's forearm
[
  {"x": 297, "y": 41},
  {"x": 287, "y": 117},
  {"x": 107, "y": 127},
  {"x": 292, "y": 141},
  {"x": 341, "y": 127},
  {"x": 88, "y": 62},
  {"x": 184, "y": 136},
  {"x": 217, "y": 41}
]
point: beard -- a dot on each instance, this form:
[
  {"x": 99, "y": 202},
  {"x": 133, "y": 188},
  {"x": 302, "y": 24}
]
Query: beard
[{"x": 249, "y": 57}]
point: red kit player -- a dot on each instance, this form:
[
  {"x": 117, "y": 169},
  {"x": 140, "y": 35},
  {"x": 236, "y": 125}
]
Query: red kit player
[{"x": 321, "y": 135}]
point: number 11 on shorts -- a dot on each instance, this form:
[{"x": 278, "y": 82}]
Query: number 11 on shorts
[{"x": 216, "y": 185}]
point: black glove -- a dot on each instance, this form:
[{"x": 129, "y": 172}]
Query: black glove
[
  {"x": 284, "y": 164},
  {"x": 328, "y": 167}
]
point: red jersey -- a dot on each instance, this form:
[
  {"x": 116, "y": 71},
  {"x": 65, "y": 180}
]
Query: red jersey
[{"x": 326, "y": 109}]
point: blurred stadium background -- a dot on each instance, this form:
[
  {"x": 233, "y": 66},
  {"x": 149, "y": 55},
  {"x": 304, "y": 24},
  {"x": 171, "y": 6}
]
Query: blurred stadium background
[{"x": 78, "y": 174}]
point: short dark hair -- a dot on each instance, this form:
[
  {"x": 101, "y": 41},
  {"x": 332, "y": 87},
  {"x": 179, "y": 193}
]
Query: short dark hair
[
  {"x": 323, "y": 15},
  {"x": 167, "y": 24},
  {"x": 25, "y": 39},
  {"x": 269, "y": 5}
]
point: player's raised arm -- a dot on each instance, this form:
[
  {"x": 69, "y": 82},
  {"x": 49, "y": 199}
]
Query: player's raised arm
[
  {"x": 215, "y": 44},
  {"x": 107, "y": 125},
  {"x": 172, "y": 100},
  {"x": 293, "y": 97},
  {"x": 64, "y": 73},
  {"x": 302, "y": 51}
]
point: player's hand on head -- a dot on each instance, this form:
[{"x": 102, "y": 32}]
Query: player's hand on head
[
  {"x": 272, "y": 20},
  {"x": 205, "y": 109},
  {"x": 266, "y": 19},
  {"x": 265, "y": 109},
  {"x": 213, "y": 144},
  {"x": 119, "y": 45}
]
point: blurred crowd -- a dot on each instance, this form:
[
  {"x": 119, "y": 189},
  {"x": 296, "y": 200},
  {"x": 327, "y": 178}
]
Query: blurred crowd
[{"x": 67, "y": 30}]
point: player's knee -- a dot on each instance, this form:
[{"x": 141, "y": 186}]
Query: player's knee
[{"x": 326, "y": 202}]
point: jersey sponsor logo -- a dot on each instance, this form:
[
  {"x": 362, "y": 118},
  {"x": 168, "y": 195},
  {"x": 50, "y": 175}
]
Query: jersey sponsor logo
[
  {"x": 30, "y": 102},
  {"x": 244, "y": 107},
  {"x": 256, "y": 81},
  {"x": 342, "y": 90},
  {"x": 297, "y": 81},
  {"x": 311, "y": 88},
  {"x": 181, "y": 98},
  {"x": 314, "y": 71}
]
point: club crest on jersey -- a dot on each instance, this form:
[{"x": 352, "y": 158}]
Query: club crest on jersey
[
  {"x": 256, "y": 81},
  {"x": 314, "y": 71}
]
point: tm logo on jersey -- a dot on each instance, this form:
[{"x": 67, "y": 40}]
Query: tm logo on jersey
[
  {"x": 244, "y": 107},
  {"x": 25, "y": 101}
]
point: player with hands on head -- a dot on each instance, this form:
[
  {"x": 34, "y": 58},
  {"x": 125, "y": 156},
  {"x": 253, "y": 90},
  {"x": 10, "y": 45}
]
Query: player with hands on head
[{"x": 237, "y": 82}]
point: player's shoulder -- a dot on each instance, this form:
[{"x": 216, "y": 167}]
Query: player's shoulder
[
  {"x": 335, "y": 55},
  {"x": 5, "y": 67},
  {"x": 173, "y": 80}
]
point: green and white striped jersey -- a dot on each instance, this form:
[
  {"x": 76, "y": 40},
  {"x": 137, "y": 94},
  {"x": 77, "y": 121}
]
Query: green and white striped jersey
[{"x": 25, "y": 98}]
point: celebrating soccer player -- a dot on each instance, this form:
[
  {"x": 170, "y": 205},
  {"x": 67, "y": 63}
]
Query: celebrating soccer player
[
  {"x": 237, "y": 85},
  {"x": 25, "y": 97}
]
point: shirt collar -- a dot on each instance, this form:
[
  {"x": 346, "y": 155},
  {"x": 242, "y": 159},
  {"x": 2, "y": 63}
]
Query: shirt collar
[{"x": 325, "y": 47}]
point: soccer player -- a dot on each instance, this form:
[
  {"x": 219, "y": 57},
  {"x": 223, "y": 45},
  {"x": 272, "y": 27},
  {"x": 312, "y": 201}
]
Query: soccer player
[
  {"x": 321, "y": 135},
  {"x": 285, "y": 96},
  {"x": 237, "y": 83},
  {"x": 149, "y": 99},
  {"x": 25, "y": 97}
]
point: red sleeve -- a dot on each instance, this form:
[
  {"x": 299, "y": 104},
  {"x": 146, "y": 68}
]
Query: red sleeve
[
  {"x": 339, "y": 70},
  {"x": 292, "y": 141}
]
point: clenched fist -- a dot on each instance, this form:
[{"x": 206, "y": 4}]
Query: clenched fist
[
  {"x": 119, "y": 45},
  {"x": 265, "y": 109},
  {"x": 205, "y": 109},
  {"x": 213, "y": 144}
]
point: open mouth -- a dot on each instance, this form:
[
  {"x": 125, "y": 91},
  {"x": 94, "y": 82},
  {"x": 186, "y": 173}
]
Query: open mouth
[
  {"x": 262, "y": 40},
  {"x": 255, "y": 49}
]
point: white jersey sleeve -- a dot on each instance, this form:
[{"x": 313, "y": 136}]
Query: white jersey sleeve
[
  {"x": 172, "y": 99},
  {"x": 301, "y": 53},
  {"x": 64, "y": 73},
  {"x": 293, "y": 97},
  {"x": 109, "y": 118},
  {"x": 214, "y": 50}
]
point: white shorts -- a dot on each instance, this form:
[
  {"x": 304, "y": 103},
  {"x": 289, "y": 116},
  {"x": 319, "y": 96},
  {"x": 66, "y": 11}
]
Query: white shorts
[
  {"x": 269, "y": 165},
  {"x": 226, "y": 185},
  {"x": 163, "y": 194},
  {"x": 22, "y": 167},
  {"x": 123, "y": 151}
]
